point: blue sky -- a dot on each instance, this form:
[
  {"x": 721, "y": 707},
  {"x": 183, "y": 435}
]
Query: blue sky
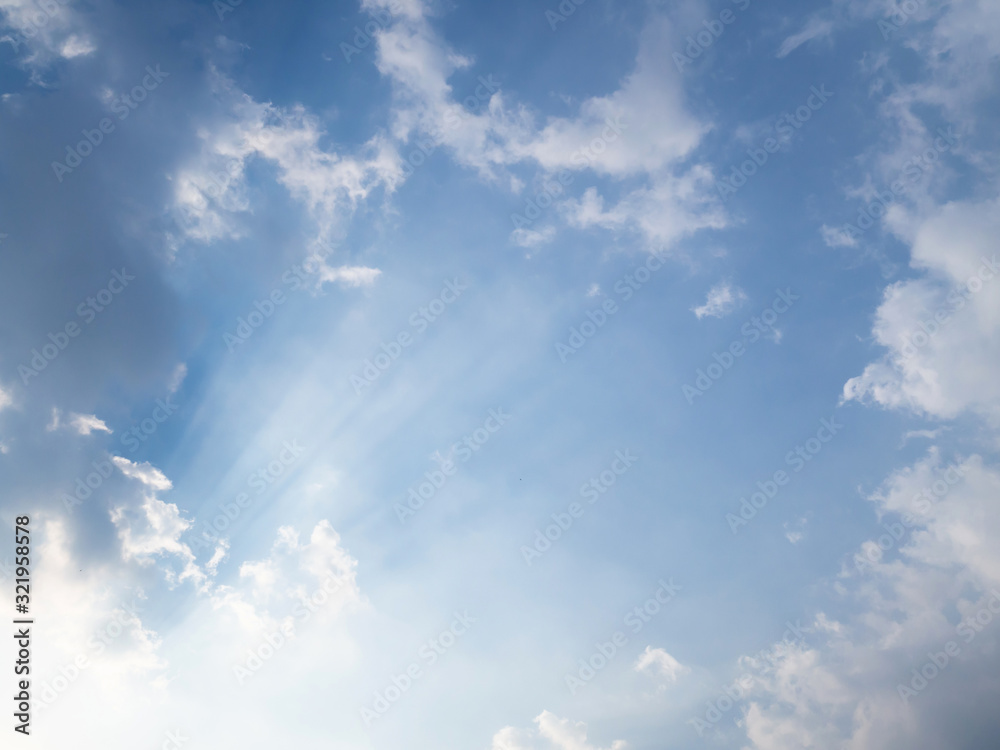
[{"x": 267, "y": 270}]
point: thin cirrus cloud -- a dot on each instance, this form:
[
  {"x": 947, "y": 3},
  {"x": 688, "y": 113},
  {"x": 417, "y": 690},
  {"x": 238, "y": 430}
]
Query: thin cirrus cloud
[{"x": 816, "y": 28}]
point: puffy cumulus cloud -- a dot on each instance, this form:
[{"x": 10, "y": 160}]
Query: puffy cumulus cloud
[
  {"x": 95, "y": 628},
  {"x": 552, "y": 733},
  {"x": 723, "y": 298},
  {"x": 642, "y": 129},
  {"x": 659, "y": 663},
  {"x": 929, "y": 576},
  {"x": 166, "y": 658},
  {"x": 941, "y": 329},
  {"x": 158, "y": 535},
  {"x": 650, "y": 106},
  {"x": 933, "y": 580},
  {"x": 152, "y": 530},
  {"x": 211, "y": 192},
  {"x": 272, "y": 592},
  {"x": 954, "y": 521}
]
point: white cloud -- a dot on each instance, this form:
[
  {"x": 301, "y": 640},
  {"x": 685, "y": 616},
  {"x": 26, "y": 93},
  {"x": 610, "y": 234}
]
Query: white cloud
[
  {"x": 723, "y": 298},
  {"x": 85, "y": 424},
  {"x": 670, "y": 209},
  {"x": 146, "y": 473},
  {"x": 842, "y": 689},
  {"x": 76, "y": 46},
  {"x": 153, "y": 533},
  {"x": 350, "y": 276},
  {"x": 924, "y": 434},
  {"x": 177, "y": 378},
  {"x": 941, "y": 329},
  {"x": 82, "y": 424},
  {"x": 41, "y": 34},
  {"x": 661, "y": 664},
  {"x": 96, "y": 613},
  {"x": 102, "y": 616},
  {"x": 815, "y": 28},
  {"x": 838, "y": 237},
  {"x": 532, "y": 238},
  {"x": 153, "y": 530},
  {"x": 210, "y": 193},
  {"x": 650, "y": 104},
  {"x": 269, "y": 589},
  {"x": 795, "y": 532},
  {"x": 552, "y": 733},
  {"x": 641, "y": 129}
]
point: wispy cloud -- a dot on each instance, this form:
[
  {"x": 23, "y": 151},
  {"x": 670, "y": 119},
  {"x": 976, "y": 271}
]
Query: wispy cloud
[
  {"x": 815, "y": 28},
  {"x": 723, "y": 298}
]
